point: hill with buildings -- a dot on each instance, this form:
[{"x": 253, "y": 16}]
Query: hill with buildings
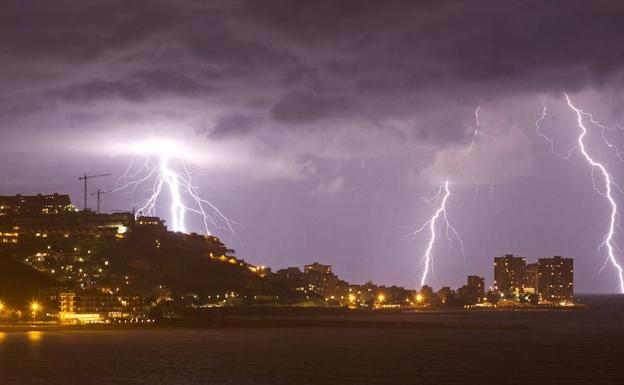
[
  {"x": 116, "y": 266},
  {"x": 123, "y": 255}
]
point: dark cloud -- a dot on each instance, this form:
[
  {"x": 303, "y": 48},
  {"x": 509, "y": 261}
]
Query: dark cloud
[
  {"x": 517, "y": 39},
  {"x": 442, "y": 128},
  {"x": 405, "y": 45},
  {"x": 325, "y": 19},
  {"x": 81, "y": 28},
  {"x": 312, "y": 51},
  {"x": 99, "y": 89},
  {"x": 298, "y": 108},
  {"x": 168, "y": 81},
  {"x": 377, "y": 43},
  {"x": 302, "y": 76},
  {"x": 232, "y": 125},
  {"x": 136, "y": 87},
  {"x": 212, "y": 41}
]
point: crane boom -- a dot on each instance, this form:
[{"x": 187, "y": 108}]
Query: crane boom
[
  {"x": 99, "y": 194},
  {"x": 86, "y": 177}
]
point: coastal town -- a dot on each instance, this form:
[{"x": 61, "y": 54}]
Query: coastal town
[{"x": 68, "y": 266}]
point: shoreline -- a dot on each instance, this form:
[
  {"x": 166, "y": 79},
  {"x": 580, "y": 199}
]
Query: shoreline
[{"x": 280, "y": 317}]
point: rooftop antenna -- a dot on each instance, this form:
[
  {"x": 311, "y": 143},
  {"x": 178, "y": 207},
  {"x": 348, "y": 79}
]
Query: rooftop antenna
[{"x": 86, "y": 178}]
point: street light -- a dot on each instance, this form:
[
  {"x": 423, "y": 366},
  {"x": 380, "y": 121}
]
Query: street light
[{"x": 34, "y": 308}]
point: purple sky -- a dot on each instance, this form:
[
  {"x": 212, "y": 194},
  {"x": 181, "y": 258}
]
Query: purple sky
[{"x": 318, "y": 126}]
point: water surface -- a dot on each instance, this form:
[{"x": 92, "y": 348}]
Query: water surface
[{"x": 557, "y": 347}]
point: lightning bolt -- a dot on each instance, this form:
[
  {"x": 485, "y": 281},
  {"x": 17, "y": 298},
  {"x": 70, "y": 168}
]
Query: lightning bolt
[
  {"x": 472, "y": 144},
  {"x": 462, "y": 157},
  {"x": 609, "y": 184},
  {"x": 442, "y": 198},
  {"x": 538, "y": 130},
  {"x": 476, "y": 130},
  {"x": 604, "y": 128},
  {"x": 164, "y": 177},
  {"x": 607, "y": 193}
]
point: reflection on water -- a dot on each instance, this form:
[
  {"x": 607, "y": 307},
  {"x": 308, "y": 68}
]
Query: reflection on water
[
  {"x": 552, "y": 347},
  {"x": 34, "y": 336}
]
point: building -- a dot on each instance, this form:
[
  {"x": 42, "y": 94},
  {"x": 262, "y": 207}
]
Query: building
[
  {"x": 556, "y": 279},
  {"x": 98, "y": 307},
  {"x": 9, "y": 235},
  {"x": 425, "y": 295},
  {"x": 294, "y": 278},
  {"x": 509, "y": 275},
  {"x": 317, "y": 268},
  {"x": 445, "y": 293},
  {"x": 292, "y": 273},
  {"x": 549, "y": 281},
  {"x": 54, "y": 216},
  {"x": 319, "y": 279},
  {"x": 68, "y": 224},
  {"x": 475, "y": 290},
  {"x": 35, "y": 204},
  {"x": 151, "y": 222},
  {"x": 531, "y": 278}
]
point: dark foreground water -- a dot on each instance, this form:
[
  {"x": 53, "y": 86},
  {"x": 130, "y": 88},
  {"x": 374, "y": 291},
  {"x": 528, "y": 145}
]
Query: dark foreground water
[{"x": 522, "y": 347}]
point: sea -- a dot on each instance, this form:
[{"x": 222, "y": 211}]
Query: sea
[{"x": 420, "y": 347}]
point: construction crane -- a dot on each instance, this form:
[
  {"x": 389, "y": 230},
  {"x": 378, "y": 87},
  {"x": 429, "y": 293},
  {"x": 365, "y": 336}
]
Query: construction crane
[
  {"x": 99, "y": 193},
  {"x": 86, "y": 177}
]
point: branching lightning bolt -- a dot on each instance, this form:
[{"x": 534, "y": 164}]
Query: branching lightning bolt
[
  {"x": 442, "y": 198},
  {"x": 604, "y": 128},
  {"x": 538, "y": 130},
  {"x": 609, "y": 242},
  {"x": 178, "y": 185},
  {"x": 609, "y": 183}
]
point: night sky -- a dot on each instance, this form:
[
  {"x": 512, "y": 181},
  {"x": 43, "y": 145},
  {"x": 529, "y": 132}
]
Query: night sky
[{"x": 319, "y": 126}]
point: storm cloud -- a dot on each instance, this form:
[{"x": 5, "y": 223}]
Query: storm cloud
[{"x": 312, "y": 56}]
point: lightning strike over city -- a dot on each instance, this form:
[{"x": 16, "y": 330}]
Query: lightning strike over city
[
  {"x": 218, "y": 191},
  {"x": 440, "y": 199},
  {"x": 609, "y": 184},
  {"x": 157, "y": 171}
]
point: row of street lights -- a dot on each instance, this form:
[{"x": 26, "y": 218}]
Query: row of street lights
[{"x": 35, "y": 307}]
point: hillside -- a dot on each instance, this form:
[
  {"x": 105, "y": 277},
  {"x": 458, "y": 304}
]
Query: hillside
[{"x": 19, "y": 283}]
